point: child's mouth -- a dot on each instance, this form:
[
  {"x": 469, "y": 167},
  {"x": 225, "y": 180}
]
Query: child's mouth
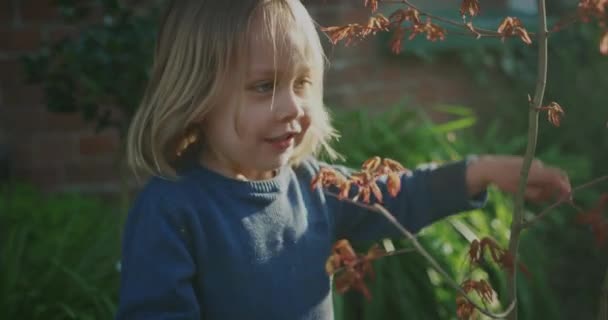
[{"x": 282, "y": 142}]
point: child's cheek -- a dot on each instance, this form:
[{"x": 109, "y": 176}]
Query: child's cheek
[{"x": 305, "y": 124}]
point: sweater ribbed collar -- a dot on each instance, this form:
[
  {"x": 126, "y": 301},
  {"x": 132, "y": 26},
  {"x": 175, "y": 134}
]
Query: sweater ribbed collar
[{"x": 267, "y": 187}]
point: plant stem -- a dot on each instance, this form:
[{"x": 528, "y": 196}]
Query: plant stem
[
  {"x": 603, "y": 312},
  {"x": 541, "y": 81}
]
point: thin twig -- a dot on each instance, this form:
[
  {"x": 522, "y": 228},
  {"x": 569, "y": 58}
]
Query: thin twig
[
  {"x": 577, "y": 208},
  {"x": 565, "y": 22},
  {"x": 590, "y": 183},
  {"x": 469, "y": 33},
  {"x": 603, "y": 313}
]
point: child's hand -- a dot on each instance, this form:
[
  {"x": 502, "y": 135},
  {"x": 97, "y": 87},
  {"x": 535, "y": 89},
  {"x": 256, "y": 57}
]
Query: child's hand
[{"x": 544, "y": 183}]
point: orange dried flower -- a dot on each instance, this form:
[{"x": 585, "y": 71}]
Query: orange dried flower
[
  {"x": 372, "y": 4},
  {"x": 365, "y": 180},
  {"x": 469, "y": 6},
  {"x": 511, "y": 26},
  {"x": 499, "y": 255},
  {"x": 401, "y": 15},
  {"x": 354, "y": 268},
  {"x": 464, "y": 309},
  {"x": 554, "y": 113},
  {"x": 354, "y": 31}
]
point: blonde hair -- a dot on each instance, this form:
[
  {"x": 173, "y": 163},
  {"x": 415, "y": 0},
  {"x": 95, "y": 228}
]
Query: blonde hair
[{"x": 200, "y": 47}]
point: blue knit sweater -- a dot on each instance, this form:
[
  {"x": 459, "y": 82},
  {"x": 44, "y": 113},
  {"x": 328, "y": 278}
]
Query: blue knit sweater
[{"x": 209, "y": 247}]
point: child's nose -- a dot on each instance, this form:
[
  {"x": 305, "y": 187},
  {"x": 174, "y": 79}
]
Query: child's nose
[{"x": 289, "y": 107}]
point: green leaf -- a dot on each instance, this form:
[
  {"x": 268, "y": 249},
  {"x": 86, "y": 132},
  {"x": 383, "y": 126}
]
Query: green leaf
[{"x": 454, "y": 125}]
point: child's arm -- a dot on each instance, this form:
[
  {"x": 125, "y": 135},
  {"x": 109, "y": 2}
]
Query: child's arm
[
  {"x": 157, "y": 268},
  {"x": 432, "y": 193},
  {"x": 543, "y": 183}
]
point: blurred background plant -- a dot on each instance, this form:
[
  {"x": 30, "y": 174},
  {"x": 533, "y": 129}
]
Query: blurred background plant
[{"x": 58, "y": 254}]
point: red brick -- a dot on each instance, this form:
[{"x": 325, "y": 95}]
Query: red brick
[
  {"x": 58, "y": 33},
  {"x": 54, "y": 121},
  {"x": 24, "y": 95},
  {"x": 11, "y": 72},
  {"x": 371, "y": 96},
  {"x": 38, "y": 10},
  {"x": 21, "y": 151},
  {"x": 21, "y": 119},
  {"x": 325, "y": 15},
  {"x": 19, "y": 39},
  {"x": 91, "y": 173},
  {"x": 6, "y": 11},
  {"x": 351, "y": 73},
  {"x": 98, "y": 144},
  {"x": 358, "y": 15},
  {"x": 56, "y": 149}
]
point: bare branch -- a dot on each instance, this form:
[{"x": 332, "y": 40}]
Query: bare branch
[{"x": 516, "y": 224}]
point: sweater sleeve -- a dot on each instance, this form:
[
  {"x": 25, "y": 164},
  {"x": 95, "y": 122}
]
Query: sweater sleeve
[
  {"x": 427, "y": 194},
  {"x": 157, "y": 267}
]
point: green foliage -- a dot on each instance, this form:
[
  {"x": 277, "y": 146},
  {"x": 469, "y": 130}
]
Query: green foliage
[
  {"x": 100, "y": 71},
  {"x": 58, "y": 256},
  {"x": 399, "y": 133}
]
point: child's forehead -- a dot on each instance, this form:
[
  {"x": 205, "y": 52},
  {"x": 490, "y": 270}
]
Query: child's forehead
[{"x": 285, "y": 52}]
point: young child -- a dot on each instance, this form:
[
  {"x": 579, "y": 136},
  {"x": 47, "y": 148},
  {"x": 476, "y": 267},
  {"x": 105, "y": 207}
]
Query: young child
[{"x": 229, "y": 227}]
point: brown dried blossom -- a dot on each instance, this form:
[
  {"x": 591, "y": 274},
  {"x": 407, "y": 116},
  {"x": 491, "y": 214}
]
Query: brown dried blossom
[
  {"x": 365, "y": 180},
  {"x": 464, "y": 308},
  {"x": 501, "y": 256},
  {"x": 350, "y": 268},
  {"x": 470, "y": 7},
  {"x": 355, "y": 32},
  {"x": 511, "y": 26},
  {"x": 554, "y": 113}
]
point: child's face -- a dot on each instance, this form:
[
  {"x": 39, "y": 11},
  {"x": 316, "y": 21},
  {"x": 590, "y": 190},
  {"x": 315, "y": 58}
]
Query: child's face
[{"x": 259, "y": 135}]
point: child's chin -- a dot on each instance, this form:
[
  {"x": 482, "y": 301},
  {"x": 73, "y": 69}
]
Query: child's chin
[{"x": 280, "y": 160}]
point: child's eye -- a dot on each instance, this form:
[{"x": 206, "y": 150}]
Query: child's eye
[
  {"x": 263, "y": 87},
  {"x": 302, "y": 83}
]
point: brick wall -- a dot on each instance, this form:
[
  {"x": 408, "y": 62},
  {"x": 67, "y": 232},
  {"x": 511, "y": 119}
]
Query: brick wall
[{"x": 58, "y": 151}]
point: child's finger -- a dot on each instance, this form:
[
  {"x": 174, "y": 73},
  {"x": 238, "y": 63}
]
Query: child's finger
[
  {"x": 553, "y": 177},
  {"x": 550, "y": 189},
  {"x": 539, "y": 194}
]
